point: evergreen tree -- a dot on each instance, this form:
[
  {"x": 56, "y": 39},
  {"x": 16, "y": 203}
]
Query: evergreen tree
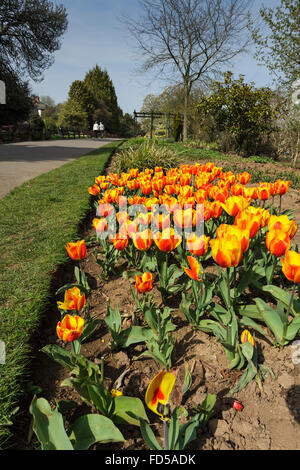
[{"x": 103, "y": 92}]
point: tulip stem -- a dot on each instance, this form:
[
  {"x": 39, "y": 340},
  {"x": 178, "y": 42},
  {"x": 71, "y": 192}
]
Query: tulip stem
[
  {"x": 228, "y": 288},
  {"x": 166, "y": 436},
  {"x": 280, "y": 203},
  {"x": 102, "y": 369},
  {"x": 291, "y": 300},
  {"x": 288, "y": 312}
]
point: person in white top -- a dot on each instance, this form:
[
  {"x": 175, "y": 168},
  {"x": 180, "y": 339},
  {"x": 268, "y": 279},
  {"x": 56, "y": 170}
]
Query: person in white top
[
  {"x": 96, "y": 129},
  {"x": 101, "y": 129}
]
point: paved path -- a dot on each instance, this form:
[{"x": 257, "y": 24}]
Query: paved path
[{"x": 23, "y": 161}]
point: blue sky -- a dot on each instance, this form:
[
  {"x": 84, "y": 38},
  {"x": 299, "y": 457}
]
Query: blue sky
[{"x": 96, "y": 36}]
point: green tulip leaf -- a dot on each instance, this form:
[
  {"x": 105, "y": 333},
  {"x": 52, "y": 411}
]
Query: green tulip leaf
[
  {"x": 48, "y": 426},
  {"x": 92, "y": 428}
]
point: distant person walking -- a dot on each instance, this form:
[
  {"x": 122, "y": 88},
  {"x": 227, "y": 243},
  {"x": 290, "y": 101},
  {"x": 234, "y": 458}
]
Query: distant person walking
[
  {"x": 101, "y": 129},
  {"x": 96, "y": 129}
]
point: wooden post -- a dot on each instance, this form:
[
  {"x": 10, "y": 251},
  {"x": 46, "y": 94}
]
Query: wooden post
[
  {"x": 168, "y": 126},
  {"x": 135, "y": 123},
  {"x": 151, "y": 125}
]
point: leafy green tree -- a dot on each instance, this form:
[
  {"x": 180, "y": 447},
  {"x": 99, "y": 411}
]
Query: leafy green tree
[
  {"x": 103, "y": 92},
  {"x": 36, "y": 125},
  {"x": 278, "y": 47},
  {"x": 73, "y": 116},
  {"x": 30, "y": 32},
  {"x": 18, "y": 99},
  {"x": 241, "y": 110},
  {"x": 127, "y": 126}
]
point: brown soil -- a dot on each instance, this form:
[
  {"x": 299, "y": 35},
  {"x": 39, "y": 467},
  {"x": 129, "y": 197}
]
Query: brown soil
[{"x": 270, "y": 419}]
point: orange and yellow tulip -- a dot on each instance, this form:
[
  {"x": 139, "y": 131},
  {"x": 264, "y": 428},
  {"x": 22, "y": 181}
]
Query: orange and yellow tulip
[
  {"x": 227, "y": 251},
  {"x": 244, "y": 177},
  {"x": 194, "y": 271},
  {"x": 77, "y": 250},
  {"x": 144, "y": 283},
  {"x": 142, "y": 240},
  {"x": 198, "y": 246},
  {"x": 243, "y": 235},
  {"x": 70, "y": 328},
  {"x": 100, "y": 225},
  {"x": 167, "y": 240},
  {"x": 159, "y": 390},
  {"x": 235, "y": 204},
  {"x": 281, "y": 187},
  {"x": 73, "y": 300},
  {"x": 277, "y": 242},
  {"x": 248, "y": 220},
  {"x": 283, "y": 223},
  {"x": 120, "y": 241},
  {"x": 246, "y": 337},
  {"x": 94, "y": 190},
  {"x": 291, "y": 266}
]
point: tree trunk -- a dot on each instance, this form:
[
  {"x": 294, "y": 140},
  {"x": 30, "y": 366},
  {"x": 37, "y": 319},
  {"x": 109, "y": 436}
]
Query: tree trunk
[
  {"x": 295, "y": 158},
  {"x": 186, "y": 111}
]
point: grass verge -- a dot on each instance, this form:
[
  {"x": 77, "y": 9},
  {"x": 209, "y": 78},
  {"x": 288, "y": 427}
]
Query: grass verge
[{"x": 36, "y": 221}]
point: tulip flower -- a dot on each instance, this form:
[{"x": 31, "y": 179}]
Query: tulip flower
[
  {"x": 243, "y": 178},
  {"x": 198, "y": 246},
  {"x": 161, "y": 221},
  {"x": 194, "y": 270},
  {"x": 167, "y": 240},
  {"x": 77, "y": 250},
  {"x": 235, "y": 204},
  {"x": 142, "y": 240},
  {"x": 227, "y": 251},
  {"x": 70, "y": 328},
  {"x": 120, "y": 241},
  {"x": 144, "y": 283},
  {"x": 216, "y": 209},
  {"x": 100, "y": 225},
  {"x": 248, "y": 220},
  {"x": 243, "y": 235},
  {"x": 246, "y": 337},
  {"x": 100, "y": 179},
  {"x": 185, "y": 179},
  {"x": 73, "y": 300},
  {"x": 157, "y": 185},
  {"x": 183, "y": 218},
  {"x": 159, "y": 390},
  {"x": 94, "y": 190},
  {"x": 283, "y": 223},
  {"x": 291, "y": 266},
  {"x": 133, "y": 185},
  {"x": 146, "y": 188},
  {"x": 186, "y": 191},
  {"x": 264, "y": 191},
  {"x": 133, "y": 172},
  {"x": 104, "y": 209},
  {"x": 277, "y": 242},
  {"x": 281, "y": 187},
  {"x": 236, "y": 189}
]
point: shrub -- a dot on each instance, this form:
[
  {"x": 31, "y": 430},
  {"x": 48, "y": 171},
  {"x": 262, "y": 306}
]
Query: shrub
[{"x": 145, "y": 155}]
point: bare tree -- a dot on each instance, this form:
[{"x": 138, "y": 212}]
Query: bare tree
[{"x": 189, "y": 38}]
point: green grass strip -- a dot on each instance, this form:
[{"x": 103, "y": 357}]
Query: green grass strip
[{"x": 36, "y": 221}]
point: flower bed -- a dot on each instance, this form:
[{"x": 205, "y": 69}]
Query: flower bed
[{"x": 207, "y": 275}]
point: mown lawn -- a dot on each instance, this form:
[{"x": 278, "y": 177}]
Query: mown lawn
[{"x": 36, "y": 221}]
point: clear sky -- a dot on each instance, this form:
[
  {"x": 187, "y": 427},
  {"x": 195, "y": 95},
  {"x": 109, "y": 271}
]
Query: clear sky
[{"x": 96, "y": 36}]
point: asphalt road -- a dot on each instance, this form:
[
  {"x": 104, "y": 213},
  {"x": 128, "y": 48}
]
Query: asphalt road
[{"x": 23, "y": 161}]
